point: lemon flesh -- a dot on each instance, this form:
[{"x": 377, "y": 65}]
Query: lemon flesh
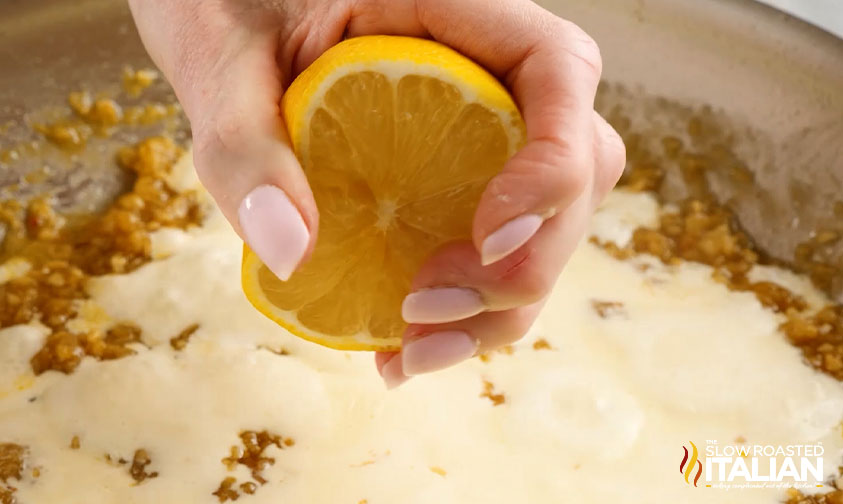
[{"x": 398, "y": 138}]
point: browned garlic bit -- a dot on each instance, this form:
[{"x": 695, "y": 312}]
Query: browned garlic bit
[
  {"x": 63, "y": 257},
  {"x": 11, "y": 469},
  {"x": 136, "y": 81},
  {"x": 490, "y": 394},
  {"x": 251, "y": 455},
  {"x": 137, "y": 470},
  {"x": 179, "y": 342},
  {"x": 607, "y": 309}
]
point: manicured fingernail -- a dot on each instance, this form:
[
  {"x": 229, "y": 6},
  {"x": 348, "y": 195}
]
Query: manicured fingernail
[
  {"x": 274, "y": 229},
  {"x": 509, "y": 238},
  {"x": 437, "y": 351},
  {"x": 440, "y": 305},
  {"x": 392, "y": 373}
]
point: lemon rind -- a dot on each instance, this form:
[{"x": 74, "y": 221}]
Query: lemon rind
[
  {"x": 289, "y": 319},
  {"x": 388, "y": 56}
]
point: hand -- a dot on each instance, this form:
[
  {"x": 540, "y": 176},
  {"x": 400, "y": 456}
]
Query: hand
[{"x": 229, "y": 60}]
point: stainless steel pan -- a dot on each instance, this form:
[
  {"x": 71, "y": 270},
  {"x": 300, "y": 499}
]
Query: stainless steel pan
[{"x": 766, "y": 87}]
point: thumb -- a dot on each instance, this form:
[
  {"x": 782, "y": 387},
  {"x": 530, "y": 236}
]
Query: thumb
[{"x": 244, "y": 158}]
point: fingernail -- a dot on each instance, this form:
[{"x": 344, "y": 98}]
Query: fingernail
[
  {"x": 274, "y": 229},
  {"x": 437, "y": 351},
  {"x": 509, "y": 238},
  {"x": 392, "y": 373},
  {"x": 440, "y": 305}
]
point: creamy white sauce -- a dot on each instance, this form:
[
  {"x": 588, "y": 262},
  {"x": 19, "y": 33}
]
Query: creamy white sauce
[{"x": 601, "y": 417}]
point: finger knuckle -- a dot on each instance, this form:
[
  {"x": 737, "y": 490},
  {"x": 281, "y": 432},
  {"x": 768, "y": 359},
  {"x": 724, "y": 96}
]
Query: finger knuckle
[
  {"x": 224, "y": 134},
  {"x": 530, "y": 283},
  {"x": 511, "y": 334},
  {"x": 520, "y": 321},
  {"x": 231, "y": 130},
  {"x": 554, "y": 169},
  {"x": 566, "y": 170},
  {"x": 369, "y": 7},
  {"x": 506, "y": 327},
  {"x": 617, "y": 162},
  {"x": 446, "y": 266},
  {"x": 581, "y": 46},
  {"x": 613, "y": 156},
  {"x": 536, "y": 286},
  {"x": 203, "y": 152},
  {"x": 569, "y": 182}
]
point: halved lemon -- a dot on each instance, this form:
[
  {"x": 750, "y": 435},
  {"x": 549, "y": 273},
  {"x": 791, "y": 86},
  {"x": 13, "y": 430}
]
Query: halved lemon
[{"x": 398, "y": 138}]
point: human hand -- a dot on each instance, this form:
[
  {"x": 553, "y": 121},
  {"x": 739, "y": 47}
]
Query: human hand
[{"x": 229, "y": 61}]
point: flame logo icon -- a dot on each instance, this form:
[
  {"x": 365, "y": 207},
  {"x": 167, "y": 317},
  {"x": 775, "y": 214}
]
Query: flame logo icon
[{"x": 686, "y": 467}]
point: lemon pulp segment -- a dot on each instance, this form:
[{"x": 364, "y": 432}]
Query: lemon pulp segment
[{"x": 397, "y": 151}]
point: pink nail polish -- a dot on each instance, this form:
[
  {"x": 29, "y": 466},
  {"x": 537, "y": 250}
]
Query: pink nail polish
[
  {"x": 437, "y": 351},
  {"x": 392, "y": 373},
  {"x": 440, "y": 305},
  {"x": 274, "y": 229},
  {"x": 509, "y": 238}
]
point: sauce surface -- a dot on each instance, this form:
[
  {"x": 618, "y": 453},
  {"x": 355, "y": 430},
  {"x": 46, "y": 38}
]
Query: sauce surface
[{"x": 630, "y": 360}]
